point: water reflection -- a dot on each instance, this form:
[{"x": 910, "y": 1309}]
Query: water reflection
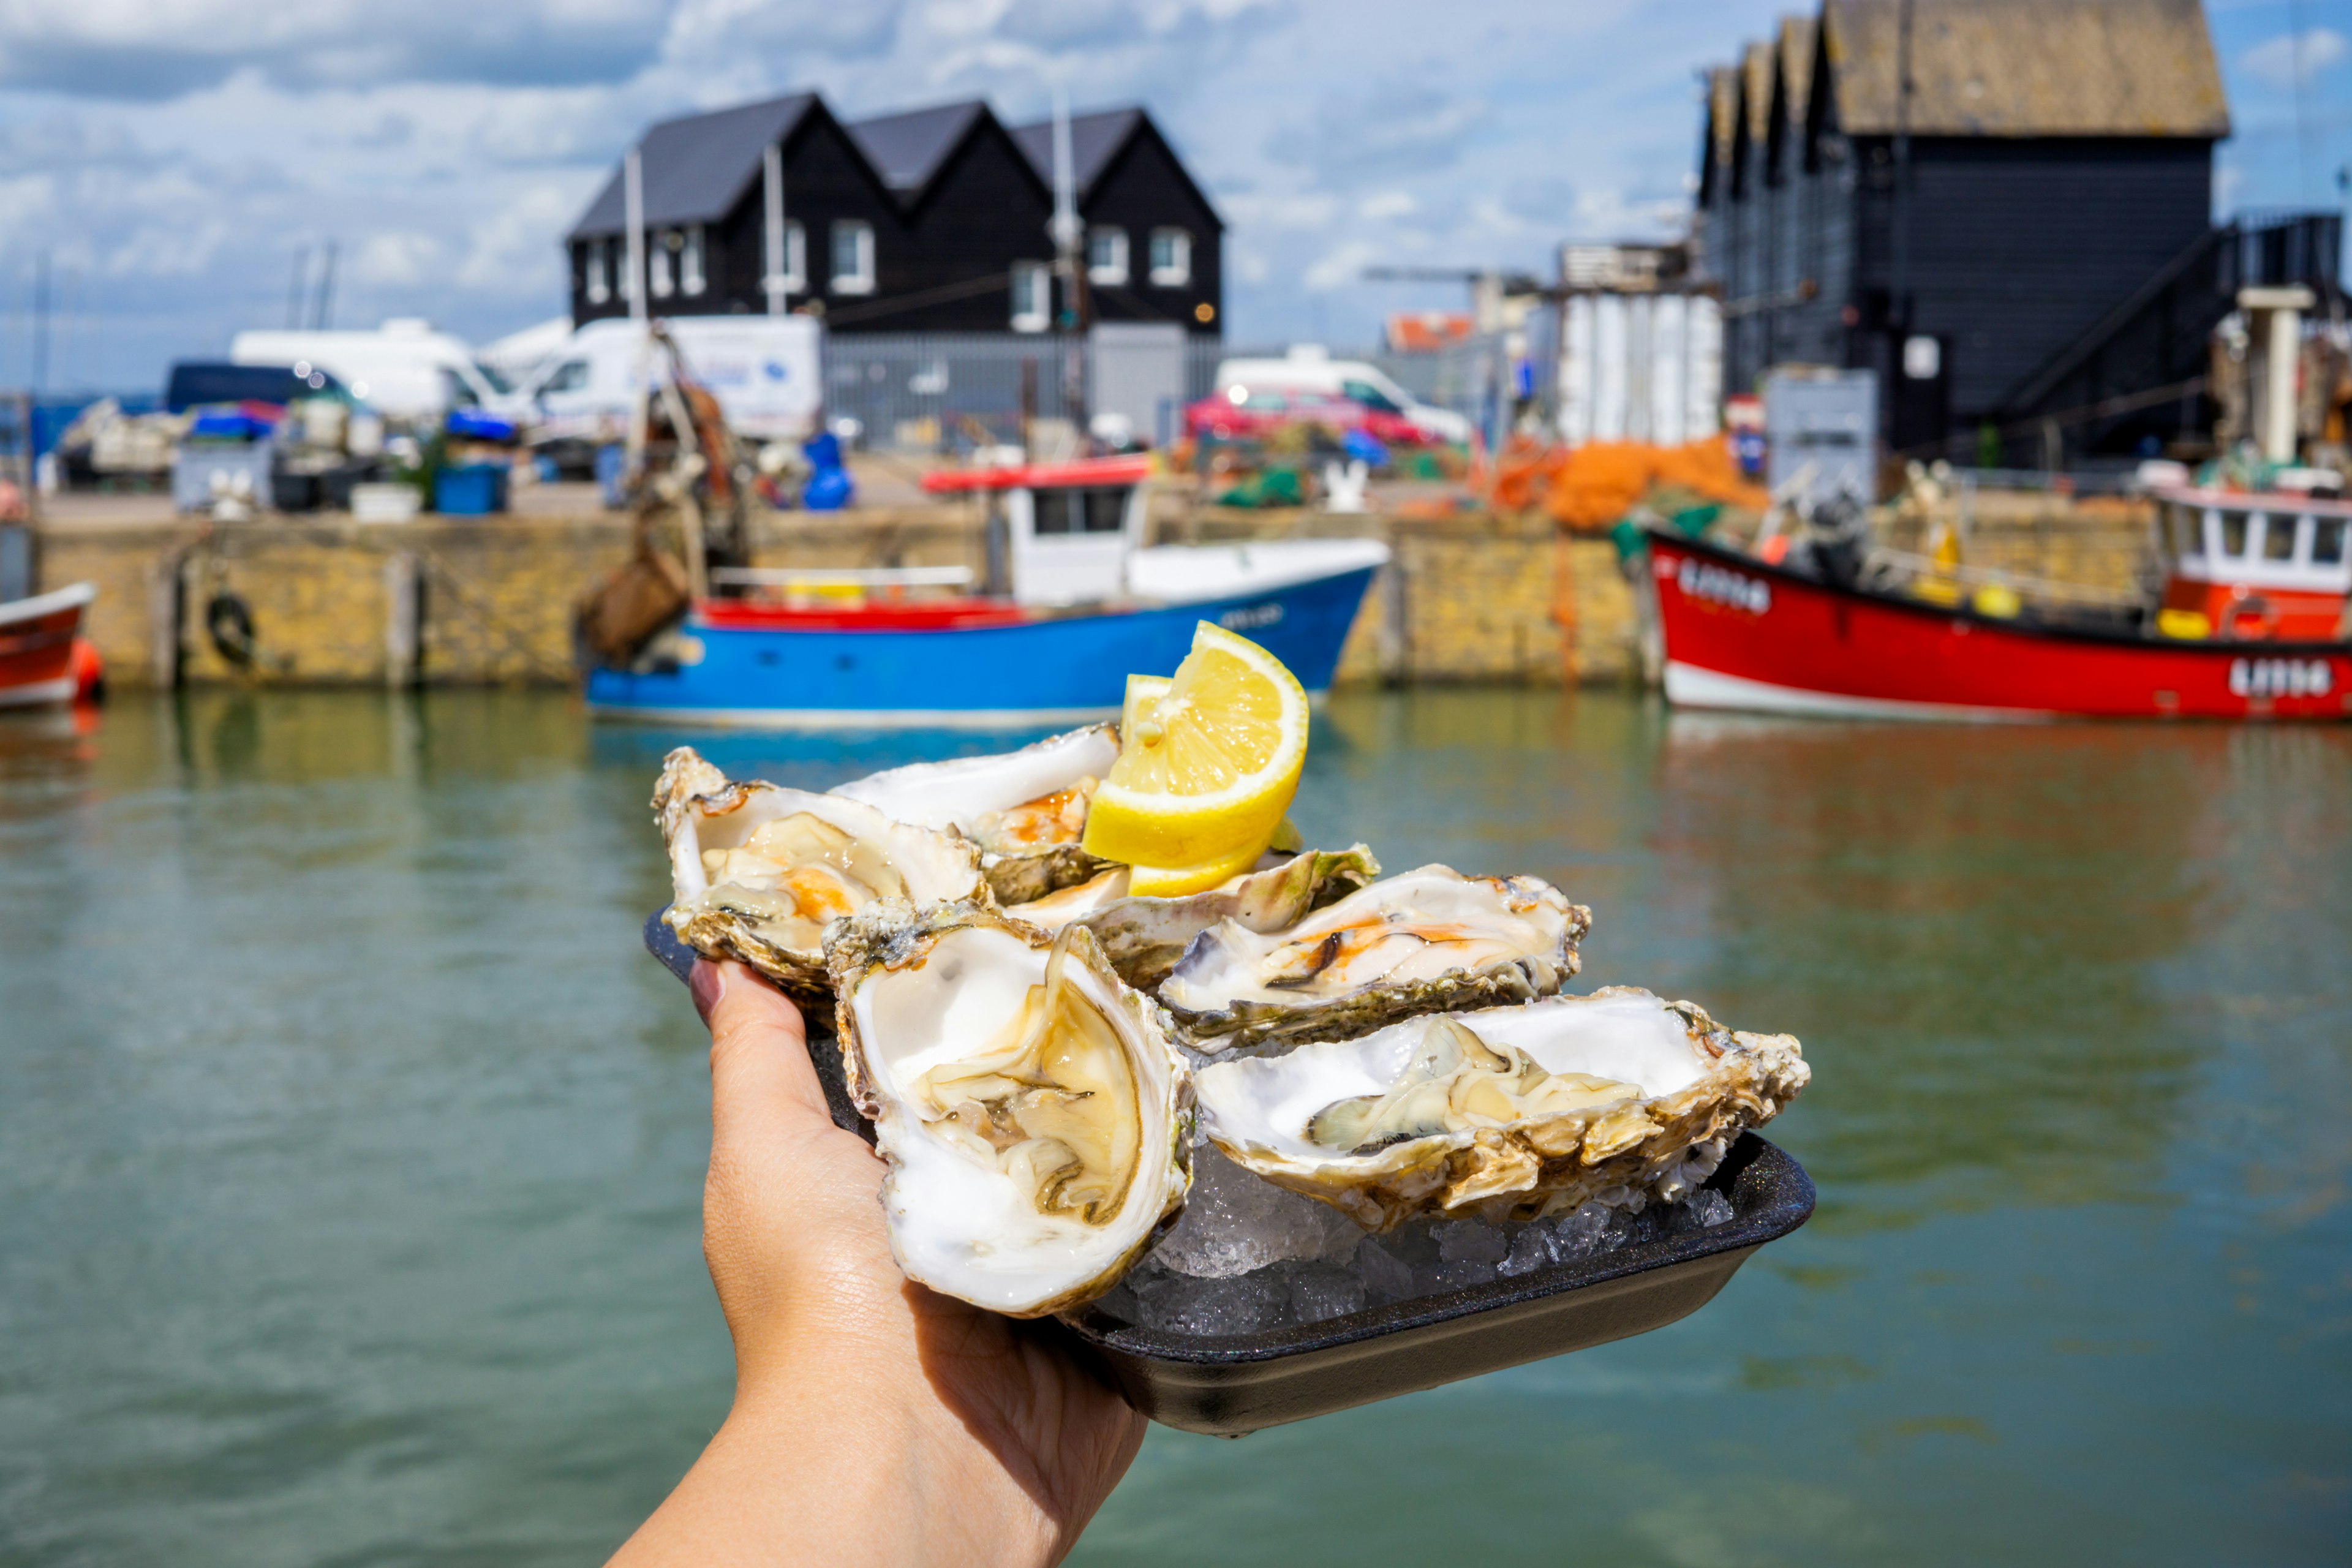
[{"x": 351, "y": 1153}]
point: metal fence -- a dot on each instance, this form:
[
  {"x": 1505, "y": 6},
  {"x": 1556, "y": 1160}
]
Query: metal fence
[{"x": 946, "y": 392}]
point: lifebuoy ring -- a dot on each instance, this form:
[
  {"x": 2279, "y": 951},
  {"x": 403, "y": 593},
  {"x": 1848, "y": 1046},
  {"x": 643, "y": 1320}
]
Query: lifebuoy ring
[{"x": 228, "y": 621}]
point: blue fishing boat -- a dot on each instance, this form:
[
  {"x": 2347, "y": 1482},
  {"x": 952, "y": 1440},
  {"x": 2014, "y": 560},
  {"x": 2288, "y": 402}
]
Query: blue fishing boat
[{"x": 1082, "y": 605}]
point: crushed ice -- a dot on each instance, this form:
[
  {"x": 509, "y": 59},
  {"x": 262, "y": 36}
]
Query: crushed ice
[{"x": 1247, "y": 1255}]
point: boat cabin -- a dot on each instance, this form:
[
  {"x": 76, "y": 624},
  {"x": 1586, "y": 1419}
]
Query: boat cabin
[
  {"x": 2270, "y": 566},
  {"x": 1058, "y": 533}
]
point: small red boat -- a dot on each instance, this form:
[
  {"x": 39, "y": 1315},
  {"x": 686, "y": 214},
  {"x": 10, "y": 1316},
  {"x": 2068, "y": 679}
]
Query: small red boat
[
  {"x": 42, "y": 657},
  {"x": 2251, "y": 626}
]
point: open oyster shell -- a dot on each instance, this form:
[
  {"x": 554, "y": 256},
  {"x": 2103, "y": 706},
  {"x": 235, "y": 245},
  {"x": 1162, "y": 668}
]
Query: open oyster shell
[
  {"x": 1036, "y": 1119},
  {"x": 1025, "y": 809},
  {"x": 757, "y": 871},
  {"x": 1144, "y": 937},
  {"x": 1429, "y": 940},
  {"x": 1630, "y": 1098}
]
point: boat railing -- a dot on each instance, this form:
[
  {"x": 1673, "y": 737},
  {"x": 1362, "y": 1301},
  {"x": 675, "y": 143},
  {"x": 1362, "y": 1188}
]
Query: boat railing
[{"x": 1891, "y": 570}]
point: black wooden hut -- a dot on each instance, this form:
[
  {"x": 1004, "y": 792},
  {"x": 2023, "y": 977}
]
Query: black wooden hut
[
  {"x": 1154, "y": 244},
  {"x": 2021, "y": 239},
  {"x": 932, "y": 220}
]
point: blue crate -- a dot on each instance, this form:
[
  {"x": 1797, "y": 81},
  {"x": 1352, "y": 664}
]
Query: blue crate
[{"x": 470, "y": 490}]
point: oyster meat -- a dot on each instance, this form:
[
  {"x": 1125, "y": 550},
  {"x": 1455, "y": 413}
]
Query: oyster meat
[
  {"x": 758, "y": 872},
  {"x": 1144, "y": 937},
  {"x": 1507, "y": 1113},
  {"x": 1026, "y": 809},
  {"x": 1036, "y": 1117},
  {"x": 1424, "y": 942}
]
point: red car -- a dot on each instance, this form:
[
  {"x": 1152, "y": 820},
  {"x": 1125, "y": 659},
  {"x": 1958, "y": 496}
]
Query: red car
[{"x": 1247, "y": 413}]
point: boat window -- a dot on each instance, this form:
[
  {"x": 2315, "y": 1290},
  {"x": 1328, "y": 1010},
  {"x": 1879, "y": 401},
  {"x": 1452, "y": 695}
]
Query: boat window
[
  {"x": 1371, "y": 397},
  {"x": 570, "y": 377},
  {"x": 2184, "y": 525},
  {"x": 1079, "y": 511},
  {"x": 2327, "y": 542},
  {"x": 1107, "y": 511},
  {"x": 2278, "y": 539},
  {"x": 2233, "y": 533}
]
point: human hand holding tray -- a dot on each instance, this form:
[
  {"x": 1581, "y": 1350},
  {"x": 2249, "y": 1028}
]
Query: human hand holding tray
[{"x": 1267, "y": 1136}]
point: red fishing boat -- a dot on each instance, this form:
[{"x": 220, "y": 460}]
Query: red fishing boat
[
  {"x": 2251, "y": 624},
  {"x": 42, "y": 657}
]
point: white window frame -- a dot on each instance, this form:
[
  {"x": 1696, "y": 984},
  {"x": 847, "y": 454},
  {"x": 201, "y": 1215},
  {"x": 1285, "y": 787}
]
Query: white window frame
[
  {"x": 795, "y": 277},
  {"x": 1040, "y": 315},
  {"x": 1178, "y": 270},
  {"x": 659, "y": 278},
  {"x": 861, "y": 236},
  {"x": 693, "y": 275},
  {"x": 1113, "y": 272},
  {"x": 596, "y": 274}
]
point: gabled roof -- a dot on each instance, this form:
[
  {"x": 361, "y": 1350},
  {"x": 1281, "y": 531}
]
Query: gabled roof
[
  {"x": 1797, "y": 35},
  {"x": 908, "y": 148},
  {"x": 2028, "y": 67},
  {"x": 697, "y": 167},
  {"x": 1095, "y": 139},
  {"x": 1714, "y": 143},
  {"x": 1756, "y": 90}
]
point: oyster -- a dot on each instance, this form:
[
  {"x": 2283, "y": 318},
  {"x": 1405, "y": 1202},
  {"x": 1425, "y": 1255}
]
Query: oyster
[
  {"x": 1025, "y": 809},
  {"x": 1428, "y": 940},
  {"x": 1507, "y": 1112},
  {"x": 758, "y": 872},
  {"x": 1144, "y": 937},
  {"x": 1036, "y": 1119}
]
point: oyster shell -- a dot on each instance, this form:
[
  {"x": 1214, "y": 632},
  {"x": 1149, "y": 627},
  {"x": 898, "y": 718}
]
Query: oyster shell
[
  {"x": 757, "y": 871},
  {"x": 1617, "y": 1096},
  {"x": 1429, "y": 940},
  {"x": 1026, "y": 809},
  {"x": 1144, "y": 937},
  {"x": 1036, "y": 1119}
]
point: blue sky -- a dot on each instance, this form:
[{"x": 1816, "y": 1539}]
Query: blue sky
[{"x": 172, "y": 155}]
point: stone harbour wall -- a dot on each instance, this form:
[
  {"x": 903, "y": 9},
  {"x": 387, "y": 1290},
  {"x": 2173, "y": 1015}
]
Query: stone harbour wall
[{"x": 1471, "y": 597}]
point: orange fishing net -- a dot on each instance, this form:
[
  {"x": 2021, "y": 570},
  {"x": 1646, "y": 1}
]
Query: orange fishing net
[{"x": 1588, "y": 488}]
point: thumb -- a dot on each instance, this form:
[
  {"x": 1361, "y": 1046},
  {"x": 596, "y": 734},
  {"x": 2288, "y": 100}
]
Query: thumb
[{"x": 761, "y": 1081}]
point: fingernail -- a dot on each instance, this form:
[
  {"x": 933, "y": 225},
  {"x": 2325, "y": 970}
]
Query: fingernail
[{"x": 709, "y": 983}]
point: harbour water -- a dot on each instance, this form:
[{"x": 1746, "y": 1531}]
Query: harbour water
[{"x": 350, "y": 1151}]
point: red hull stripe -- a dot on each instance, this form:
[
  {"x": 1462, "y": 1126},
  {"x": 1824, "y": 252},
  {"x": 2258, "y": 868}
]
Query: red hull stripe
[{"x": 1740, "y": 633}]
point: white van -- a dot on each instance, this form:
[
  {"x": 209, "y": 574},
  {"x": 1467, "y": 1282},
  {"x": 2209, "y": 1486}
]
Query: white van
[
  {"x": 404, "y": 370},
  {"x": 1308, "y": 368},
  {"x": 765, "y": 371}
]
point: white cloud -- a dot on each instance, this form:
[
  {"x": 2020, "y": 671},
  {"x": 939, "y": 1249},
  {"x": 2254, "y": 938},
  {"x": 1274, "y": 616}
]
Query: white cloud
[
  {"x": 1386, "y": 203},
  {"x": 2291, "y": 58},
  {"x": 397, "y": 260},
  {"x": 1343, "y": 265}
]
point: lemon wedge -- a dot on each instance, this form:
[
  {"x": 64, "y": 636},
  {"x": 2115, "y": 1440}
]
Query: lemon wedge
[
  {"x": 1176, "y": 881},
  {"x": 1143, "y": 695},
  {"x": 1206, "y": 766}
]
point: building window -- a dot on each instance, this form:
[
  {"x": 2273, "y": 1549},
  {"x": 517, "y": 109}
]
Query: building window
[
  {"x": 796, "y": 275},
  {"x": 853, "y": 257},
  {"x": 1032, "y": 297},
  {"x": 661, "y": 279},
  {"x": 692, "y": 278},
  {"x": 596, "y": 280},
  {"x": 1106, "y": 255},
  {"x": 1171, "y": 257}
]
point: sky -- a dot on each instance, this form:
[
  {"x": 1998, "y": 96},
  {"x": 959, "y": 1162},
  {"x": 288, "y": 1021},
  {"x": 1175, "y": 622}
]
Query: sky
[{"x": 175, "y": 158}]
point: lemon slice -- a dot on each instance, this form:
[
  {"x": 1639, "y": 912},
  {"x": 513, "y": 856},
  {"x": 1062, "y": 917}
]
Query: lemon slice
[
  {"x": 1176, "y": 881},
  {"x": 1143, "y": 695},
  {"x": 1205, "y": 775}
]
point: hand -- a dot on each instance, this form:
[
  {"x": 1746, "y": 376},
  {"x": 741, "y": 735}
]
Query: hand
[{"x": 875, "y": 1421}]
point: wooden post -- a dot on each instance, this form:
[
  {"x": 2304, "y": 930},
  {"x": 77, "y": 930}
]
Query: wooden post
[
  {"x": 165, "y": 598},
  {"x": 1396, "y": 650},
  {"x": 403, "y": 620}
]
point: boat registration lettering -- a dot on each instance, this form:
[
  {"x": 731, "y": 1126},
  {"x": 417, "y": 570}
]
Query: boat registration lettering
[
  {"x": 1720, "y": 585},
  {"x": 2281, "y": 677},
  {"x": 1250, "y": 617}
]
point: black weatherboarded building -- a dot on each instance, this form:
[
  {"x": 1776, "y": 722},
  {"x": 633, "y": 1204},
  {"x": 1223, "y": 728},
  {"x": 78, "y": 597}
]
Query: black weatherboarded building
[
  {"x": 934, "y": 220},
  {"x": 2021, "y": 240}
]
